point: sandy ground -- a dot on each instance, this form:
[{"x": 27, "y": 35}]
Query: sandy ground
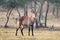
[{"x": 9, "y": 34}]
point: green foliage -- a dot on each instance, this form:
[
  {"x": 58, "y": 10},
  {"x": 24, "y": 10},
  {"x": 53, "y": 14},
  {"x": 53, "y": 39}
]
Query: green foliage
[
  {"x": 11, "y": 3},
  {"x": 14, "y": 3},
  {"x": 52, "y": 1},
  {"x": 55, "y": 2},
  {"x": 22, "y": 3},
  {"x": 41, "y": 1},
  {"x": 2, "y": 2}
]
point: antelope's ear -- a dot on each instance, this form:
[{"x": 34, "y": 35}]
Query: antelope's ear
[{"x": 34, "y": 12}]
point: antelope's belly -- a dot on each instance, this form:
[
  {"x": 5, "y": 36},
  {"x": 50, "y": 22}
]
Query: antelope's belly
[{"x": 26, "y": 22}]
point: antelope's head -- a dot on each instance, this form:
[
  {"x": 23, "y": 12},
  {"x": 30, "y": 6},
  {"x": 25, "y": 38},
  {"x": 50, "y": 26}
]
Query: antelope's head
[{"x": 34, "y": 14}]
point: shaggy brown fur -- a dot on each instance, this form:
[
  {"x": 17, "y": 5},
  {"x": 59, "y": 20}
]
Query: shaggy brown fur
[{"x": 26, "y": 21}]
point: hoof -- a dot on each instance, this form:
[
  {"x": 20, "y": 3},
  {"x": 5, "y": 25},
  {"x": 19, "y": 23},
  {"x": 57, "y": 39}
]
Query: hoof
[
  {"x": 15, "y": 34},
  {"x": 22, "y": 35},
  {"x": 28, "y": 34},
  {"x": 32, "y": 34}
]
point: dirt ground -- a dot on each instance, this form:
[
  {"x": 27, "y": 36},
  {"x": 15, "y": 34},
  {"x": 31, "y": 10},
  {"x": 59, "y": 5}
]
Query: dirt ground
[{"x": 9, "y": 34}]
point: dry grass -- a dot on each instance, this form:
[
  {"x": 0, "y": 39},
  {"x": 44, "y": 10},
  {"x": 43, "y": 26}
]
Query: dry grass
[{"x": 9, "y": 34}]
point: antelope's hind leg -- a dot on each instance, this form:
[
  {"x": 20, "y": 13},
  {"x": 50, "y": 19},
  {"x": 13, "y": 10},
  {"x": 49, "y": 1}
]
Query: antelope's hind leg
[
  {"x": 18, "y": 26},
  {"x": 16, "y": 31},
  {"x": 22, "y": 27}
]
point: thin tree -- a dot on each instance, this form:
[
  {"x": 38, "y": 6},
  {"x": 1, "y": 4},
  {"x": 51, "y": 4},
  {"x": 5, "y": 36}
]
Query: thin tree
[
  {"x": 46, "y": 14},
  {"x": 35, "y": 3},
  {"x": 53, "y": 10},
  {"x": 41, "y": 8},
  {"x": 8, "y": 18},
  {"x": 26, "y": 10},
  {"x": 57, "y": 12}
]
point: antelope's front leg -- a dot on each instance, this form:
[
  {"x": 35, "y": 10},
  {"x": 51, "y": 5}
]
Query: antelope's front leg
[
  {"x": 29, "y": 31},
  {"x": 32, "y": 30}
]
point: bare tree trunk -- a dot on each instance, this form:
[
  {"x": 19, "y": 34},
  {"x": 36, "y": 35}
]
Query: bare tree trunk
[
  {"x": 7, "y": 12},
  {"x": 35, "y": 6},
  {"x": 35, "y": 11},
  {"x": 57, "y": 12},
  {"x": 31, "y": 5},
  {"x": 46, "y": 14},
  {"x": 8, "y": 18},
  {"x": 40, "y": 13},
  {"x": 53, "y": 10},
  {"x": 26, "y": 10},
  {"x": 18, "y": 12}
]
